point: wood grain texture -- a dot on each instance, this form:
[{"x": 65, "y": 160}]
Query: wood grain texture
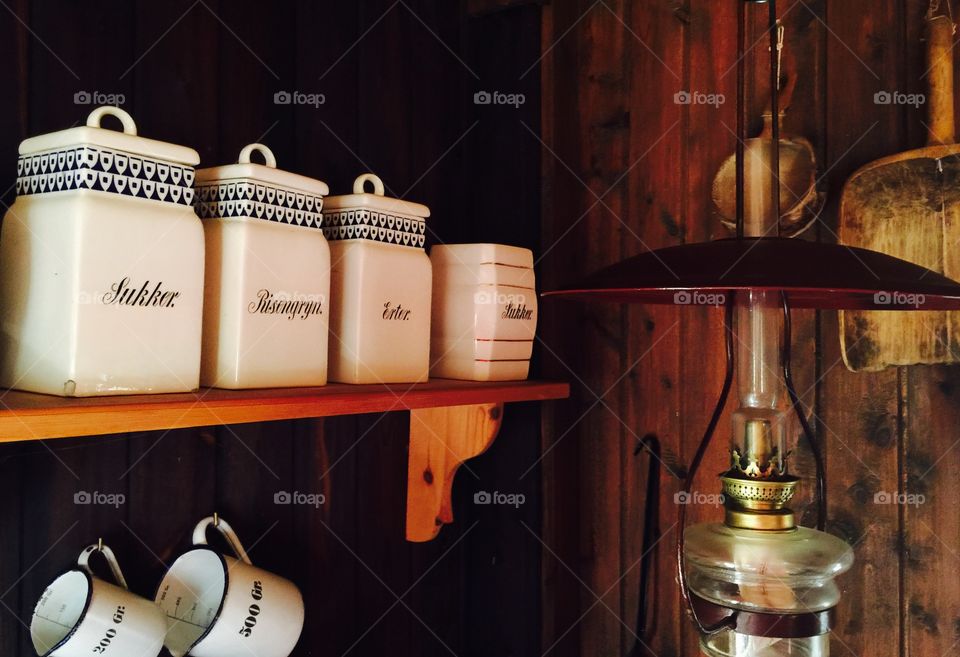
[
  {"x": 859, "y": 414},
  {"x": 589, "y": 236},
  {"x": 930, "y": 604},
  {"x": 657, "y": 211},
  {"x": 441, "y": 439},
  {"x": 29, "y": 416}
]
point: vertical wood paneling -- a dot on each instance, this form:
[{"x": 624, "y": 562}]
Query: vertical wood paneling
[
  {"x": 11, "y": 566},
  {"x": 254, "y": 467},
  {"x": 13, "y": 115},
  {"x": 163, "y": 509},
  {"x": 860, "y": 411},
  {"x": 930, "y": 610},
  {"x": 656, "y": 213},
  {"x": 931, "y": 546},
  {"x": 384, "y": 571},
  {"x": 324, "y": 565},
  {"x": 562, "y": 331},
  {"x": 710, "y": 69},
  {"x": 254, "y": 39},
  {"x": 603, "y": 123}
]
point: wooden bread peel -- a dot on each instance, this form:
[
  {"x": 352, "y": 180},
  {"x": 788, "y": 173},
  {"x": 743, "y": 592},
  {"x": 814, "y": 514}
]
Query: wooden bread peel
[{"x": 908, "y": 205}]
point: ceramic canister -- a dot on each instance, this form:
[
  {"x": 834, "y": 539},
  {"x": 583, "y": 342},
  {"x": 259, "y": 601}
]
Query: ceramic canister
[
  {"x": 484, "y": 312},
  {"x": 266, "y": 306},
  {"x": 101, "y": 265},
  {"x": 380, "y": 287}
]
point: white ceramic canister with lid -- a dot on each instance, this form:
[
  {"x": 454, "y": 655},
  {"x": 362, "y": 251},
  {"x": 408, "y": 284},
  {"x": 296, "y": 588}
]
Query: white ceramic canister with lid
[
  {"x": 266, "y": 307},
  {"x": 484, "y": 312},
  {"x": 380, "y": 287},
  {"x": 101, "y": 265}
]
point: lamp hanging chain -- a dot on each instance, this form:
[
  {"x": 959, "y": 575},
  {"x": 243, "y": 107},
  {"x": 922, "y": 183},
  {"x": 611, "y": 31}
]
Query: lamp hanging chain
[
  {"x": 801, "y": 416},
  {"x": 729, "y": 621}
]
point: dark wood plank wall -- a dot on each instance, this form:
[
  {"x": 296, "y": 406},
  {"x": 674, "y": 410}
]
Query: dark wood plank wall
[
  {"x": 612, "y": 130},
  {"x": 398, "y": 80}
]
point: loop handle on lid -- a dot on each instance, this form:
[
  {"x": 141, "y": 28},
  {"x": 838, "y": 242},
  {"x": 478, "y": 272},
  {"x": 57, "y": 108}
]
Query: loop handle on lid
[
  {"x": 84, "y": 561},
  {"x": 361, "y": 181},
  {"x": 222, "y": 526},
  {"x": 267, "y": 154},
  {"x": 129, "y": 127}
]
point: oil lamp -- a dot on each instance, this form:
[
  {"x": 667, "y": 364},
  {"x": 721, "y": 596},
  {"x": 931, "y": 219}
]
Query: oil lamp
[{"x": 758, "y": 584}]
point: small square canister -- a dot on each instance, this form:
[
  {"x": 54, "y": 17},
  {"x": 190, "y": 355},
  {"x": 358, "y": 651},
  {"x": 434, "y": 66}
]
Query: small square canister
[
  {"x": 101, "y": 265},
  {"x": 266, "y": 304},
  {"x": 380, "y": 287},
  {"x": 484, "y": 312}
]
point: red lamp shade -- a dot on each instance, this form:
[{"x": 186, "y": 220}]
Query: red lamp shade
[{"x": 812, "y": 275}]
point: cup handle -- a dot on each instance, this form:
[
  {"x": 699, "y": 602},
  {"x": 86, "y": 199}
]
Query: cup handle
[
  {"x": 84, "y": 562},
  {"x": 267, "y": 154},
  {"x": 129, "y": 127},
  {"x": 361, "y": 182},
  {"x": 222, "y": 526}
]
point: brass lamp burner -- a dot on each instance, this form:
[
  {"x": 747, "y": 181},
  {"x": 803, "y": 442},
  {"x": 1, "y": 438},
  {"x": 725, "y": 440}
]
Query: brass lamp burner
[
  {"x": 759, "y": 494},
  {"x": 759, "y": 503},
  {"x": 757, "y": 487}
]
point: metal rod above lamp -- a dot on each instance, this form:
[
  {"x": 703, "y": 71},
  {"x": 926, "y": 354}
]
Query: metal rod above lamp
[{"x": 757, "y": 584}]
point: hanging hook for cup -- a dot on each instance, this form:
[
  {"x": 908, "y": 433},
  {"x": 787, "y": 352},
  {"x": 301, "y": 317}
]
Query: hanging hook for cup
[
  {"x": 100, "y": 548},
  {"x": 224, "y": 529}
]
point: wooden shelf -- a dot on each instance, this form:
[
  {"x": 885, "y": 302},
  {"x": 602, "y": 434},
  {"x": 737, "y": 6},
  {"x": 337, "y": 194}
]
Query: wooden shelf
[
  {"x": 450, "y": 422},
  {"x": 29, "y": 416}
]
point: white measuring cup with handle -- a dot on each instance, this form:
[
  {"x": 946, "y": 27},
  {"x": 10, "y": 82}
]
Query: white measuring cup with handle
[
  {"x": 223, "y": 606},
  {"x": 80, "y": 614}
]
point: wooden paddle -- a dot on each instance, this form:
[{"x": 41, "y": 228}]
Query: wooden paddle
[{"x": 908, "y": 205}]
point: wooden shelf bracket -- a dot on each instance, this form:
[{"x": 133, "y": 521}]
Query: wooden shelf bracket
[{"x": 441, "y": 439}]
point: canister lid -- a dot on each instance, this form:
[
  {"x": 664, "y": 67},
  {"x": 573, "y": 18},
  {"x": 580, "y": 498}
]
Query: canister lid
[
  {"x": 266, "y": 173},
  {"x": 375, "y": 201},
  {"x": 452, "y": 255},
  {"x": 127, "y": 141}
]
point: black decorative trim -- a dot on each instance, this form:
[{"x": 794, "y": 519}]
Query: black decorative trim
[
  {"x": 105, "y": 170},
  {"x": 365, "y": 224},
  {"x": 246, "y": 198}
]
